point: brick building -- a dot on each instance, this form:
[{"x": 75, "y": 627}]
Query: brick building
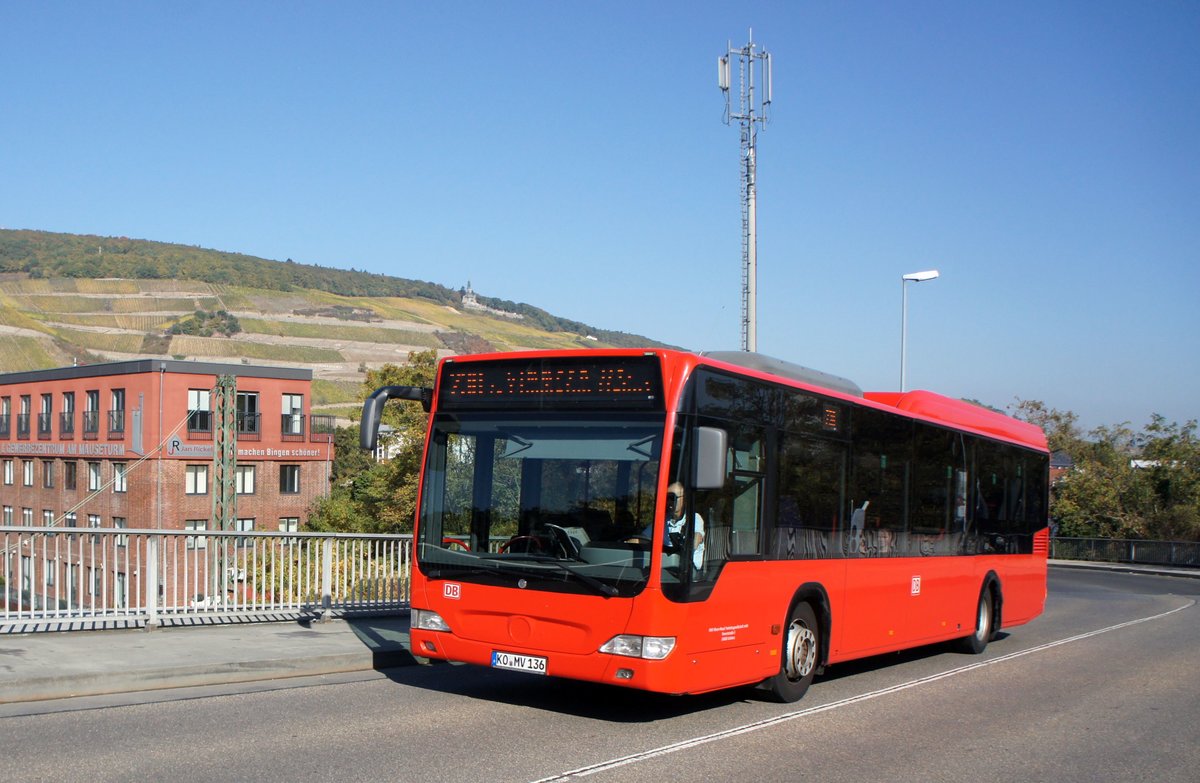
[{"x": 130, "y": 445}]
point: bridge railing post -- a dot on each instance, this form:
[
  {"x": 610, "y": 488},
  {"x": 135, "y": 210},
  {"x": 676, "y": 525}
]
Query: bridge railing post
[
  {"x": 327, "y": 580},
  {"x": 151, "y": 582}
]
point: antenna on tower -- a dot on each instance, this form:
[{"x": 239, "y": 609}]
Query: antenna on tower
[{"x": 751, "y": 113}]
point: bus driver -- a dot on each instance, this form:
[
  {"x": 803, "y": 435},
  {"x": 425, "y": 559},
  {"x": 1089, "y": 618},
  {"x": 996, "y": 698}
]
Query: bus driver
[{"x": 677, "y": 523}]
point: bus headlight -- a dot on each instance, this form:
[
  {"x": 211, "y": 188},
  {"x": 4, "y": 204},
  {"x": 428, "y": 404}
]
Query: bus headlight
[
  {"x": 653, "y": 648},
  {"x": 425, "y": 620}
]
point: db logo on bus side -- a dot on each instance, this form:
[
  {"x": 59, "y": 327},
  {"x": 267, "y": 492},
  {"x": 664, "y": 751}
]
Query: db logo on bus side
[
  {"x": 452, "y": 590},
  {"x": 916, "y": 585}
]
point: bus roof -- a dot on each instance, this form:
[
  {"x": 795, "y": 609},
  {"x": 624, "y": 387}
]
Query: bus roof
[
  {"x": 960, "y": 413},
  {"x": 918, "y": 404}
]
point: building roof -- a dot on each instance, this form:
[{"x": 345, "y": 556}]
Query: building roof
[{"x": 139, "y": 366}]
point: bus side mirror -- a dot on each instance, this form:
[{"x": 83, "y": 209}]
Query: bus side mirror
[
  {"x": 711, "y": 445},
  {"x": 372, "y": 412}
]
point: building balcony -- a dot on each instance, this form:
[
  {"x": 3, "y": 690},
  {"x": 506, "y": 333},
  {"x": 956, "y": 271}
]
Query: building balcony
[
  {"x": 5, "y": 427},
  {"x": 45, "y": 426},
  {"x": 66, "y": 425},
  {"x": 22, "y": 426},
  {"x": 249, "y": 426},
  {"x": 322, "y": 429},
  {"x": 291, "y": 426},
  {"x": 200, "y": 425},
  {"x": 116, "y": 424},
  {"x": 91, "y": 425}
]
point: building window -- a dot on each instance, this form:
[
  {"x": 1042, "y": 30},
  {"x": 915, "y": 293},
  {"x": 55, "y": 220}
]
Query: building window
[
  {"x": 199, "y": 411},
  {"x": 23, "y": 417},
  {"x": 289, "y": 479},
  {"x": 116, "y": 414},
  {"x": 120, "y": 524},
  {"x": 244, "y": 526},
  {"x": 70, "y": 520},
  {"x": 70, "y": 469},
  {"x": 27, "y": 472},
  {"x": 94, "y": 521},
  {"x": 243, "y": 476},
  {"x": 66, "y": 419},
  {"x": 196, "y": 479},
  {"x": 46, "y": 416},
  {"x": 91, "y": 413},
  {"x": 51, "y": 572},
  {"x": 93, "y": 580},
  {"x": 196, "y": 542},
  {"x": 8, "y": 472},
  {"x": 27, "y": 517},
  {"x": 93, "y": 476},
  {"x": 292, "y": 422},
  {"x": 47, "y": 517},
  {"x": 248, "y": 415},
  {"x": 47, "y": 474},
  {"x": 120, "y": 483},
  {"x": 289, "y": 525},
  {"x": 5, "y": 416},
  {"x": 8, "y": 515}
]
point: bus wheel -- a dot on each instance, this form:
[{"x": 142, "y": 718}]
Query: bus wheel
[
  {"x": 801, "y": 646},
  {"x": 978, "y": 641}
]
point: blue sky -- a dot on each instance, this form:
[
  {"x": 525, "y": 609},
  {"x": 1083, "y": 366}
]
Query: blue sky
[{"x": 1044, "y": 156}]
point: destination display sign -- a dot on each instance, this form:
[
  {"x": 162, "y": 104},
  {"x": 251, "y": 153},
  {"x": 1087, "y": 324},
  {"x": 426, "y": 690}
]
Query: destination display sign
[{"x": 601, "y": 382}]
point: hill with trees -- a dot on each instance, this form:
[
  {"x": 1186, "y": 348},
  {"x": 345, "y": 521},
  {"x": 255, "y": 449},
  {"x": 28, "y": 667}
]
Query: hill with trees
[{"x": 46, "y": 255}]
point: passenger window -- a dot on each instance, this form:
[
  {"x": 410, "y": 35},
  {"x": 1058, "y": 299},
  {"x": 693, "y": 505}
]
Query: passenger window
[
  {"x": 879, "y": 484},
  {"x": 811, "y": 481}
]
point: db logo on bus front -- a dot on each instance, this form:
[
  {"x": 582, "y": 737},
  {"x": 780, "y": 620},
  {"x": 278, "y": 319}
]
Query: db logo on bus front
[{"x": 452, "y": 590}]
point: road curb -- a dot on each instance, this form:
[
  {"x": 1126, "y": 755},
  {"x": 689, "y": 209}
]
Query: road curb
[
  {"x": 1126, "y": 568},
  {"x": 219, "y": 673}
]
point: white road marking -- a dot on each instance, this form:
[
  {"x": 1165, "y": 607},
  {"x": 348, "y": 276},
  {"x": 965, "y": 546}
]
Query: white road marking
[{"x": 675, "y": 747}]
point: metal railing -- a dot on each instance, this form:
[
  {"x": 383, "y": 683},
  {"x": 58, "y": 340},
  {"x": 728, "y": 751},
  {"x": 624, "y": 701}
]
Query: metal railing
[
  {"x": 1123, "y": 550},
  {"x": 56, "y": 578}
]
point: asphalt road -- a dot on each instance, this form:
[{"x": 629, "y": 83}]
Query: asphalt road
[{"x": 1104, "y": 687}]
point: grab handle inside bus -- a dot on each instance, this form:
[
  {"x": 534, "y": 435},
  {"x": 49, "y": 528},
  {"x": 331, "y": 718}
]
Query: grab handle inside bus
[
  {"x": 711, "y": 444},
  {"x": 368, "y": 431}
]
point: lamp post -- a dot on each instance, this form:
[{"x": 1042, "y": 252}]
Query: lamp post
[{"x": 915, "y": 277}]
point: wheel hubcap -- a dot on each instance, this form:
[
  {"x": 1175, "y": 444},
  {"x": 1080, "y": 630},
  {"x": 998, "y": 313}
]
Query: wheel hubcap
[
  {"x": 801, "y": 651},
  {"x": 983, "y": 623}
]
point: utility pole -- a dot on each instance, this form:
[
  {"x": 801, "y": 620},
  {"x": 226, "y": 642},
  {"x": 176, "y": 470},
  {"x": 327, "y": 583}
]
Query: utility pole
[
  {"x": 224, "y": 493},
  {"x": 751, "y": 113}
]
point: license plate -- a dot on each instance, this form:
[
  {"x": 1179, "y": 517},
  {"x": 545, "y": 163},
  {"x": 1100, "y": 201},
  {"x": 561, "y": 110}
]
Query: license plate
[{"x": 518, "y": 663}]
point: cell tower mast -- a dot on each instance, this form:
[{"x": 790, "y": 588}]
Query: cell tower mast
[{"x": 751, "y": 113}]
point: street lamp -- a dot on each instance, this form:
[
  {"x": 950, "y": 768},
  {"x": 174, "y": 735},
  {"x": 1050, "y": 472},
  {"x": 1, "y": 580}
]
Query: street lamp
[{"x": 915, "y": 277}]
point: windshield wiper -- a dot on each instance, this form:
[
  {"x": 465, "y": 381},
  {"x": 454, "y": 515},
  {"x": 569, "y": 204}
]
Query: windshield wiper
[{"x": 607, "y": 590}]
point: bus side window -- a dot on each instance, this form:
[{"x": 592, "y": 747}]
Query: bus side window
[
  {"x": 879, "y": 484},
  {"x": 811, "y": 480}
]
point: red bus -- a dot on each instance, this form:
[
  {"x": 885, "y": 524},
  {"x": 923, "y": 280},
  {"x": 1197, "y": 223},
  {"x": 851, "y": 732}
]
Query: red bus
[{"x": 683, "y": 523}]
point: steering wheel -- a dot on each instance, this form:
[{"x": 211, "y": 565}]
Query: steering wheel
[
  {"x": 454, "y": 542},
  {"x": 532, "y": 543}
]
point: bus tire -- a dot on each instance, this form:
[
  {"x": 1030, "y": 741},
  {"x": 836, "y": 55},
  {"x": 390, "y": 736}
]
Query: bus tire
[
  {"x": 800, "y": 655},
  {"x": 985, "y": 620}
]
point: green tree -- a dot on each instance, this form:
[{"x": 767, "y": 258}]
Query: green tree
[
  {"x": 380, "y": 497},
  {"x": 1170, "y": 469},
  {"x": 1124, "y": 483},
  {"x": 1061, "y": 427}
]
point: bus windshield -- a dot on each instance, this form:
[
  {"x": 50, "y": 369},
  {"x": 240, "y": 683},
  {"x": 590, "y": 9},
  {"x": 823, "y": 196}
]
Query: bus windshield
[{"x": 561, "y": 502}]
